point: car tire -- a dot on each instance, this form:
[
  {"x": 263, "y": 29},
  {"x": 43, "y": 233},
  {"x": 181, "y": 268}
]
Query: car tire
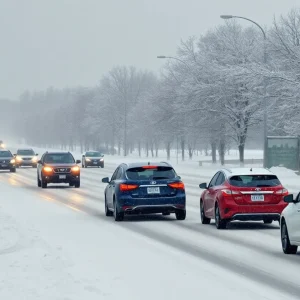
[
  {"x": 165, "y": 213},
  {"x": 220, "y": 223},
  {"x": 204, "y": 219},
  {"x": 287, "y": 248},
  {"x": 119, "y": 216},
  {"x": 180, "y": 214},
  {"x": 108, "y": 213},
  {"x": 71, "y": 184},
  {"x": 13, "y": 170},
  {"x": 43, "y": 183},
  {"x": 77, "y": 184},
  {"x": 39, "y": 183},
  {"x": 268, "y": 221}
]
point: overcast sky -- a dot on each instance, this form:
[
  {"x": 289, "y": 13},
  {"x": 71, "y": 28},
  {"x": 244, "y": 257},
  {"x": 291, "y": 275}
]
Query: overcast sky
[{"x": 73, "y": 42}]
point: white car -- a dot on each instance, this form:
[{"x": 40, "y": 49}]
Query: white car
[{"x": 290, "y": 225}]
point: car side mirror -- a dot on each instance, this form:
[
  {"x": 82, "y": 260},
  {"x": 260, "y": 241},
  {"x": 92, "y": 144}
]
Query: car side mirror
[
  {"x": 105, "y": 180},
  {"x": 83, "y": 155},
  {"x": 15, "y": 154},
  {"x": 203, "y": 186},
  {"x": 102, "y": 155},
  {"x": 78, "y": 161},
  {"x": 289, "y": 198},
  {"x": 36, "y": 154},
  {"x": 40, "y": 162}
]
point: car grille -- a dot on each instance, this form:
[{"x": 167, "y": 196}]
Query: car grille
[
  {"x": 3, "y": 161},
  {"x": 62, "y": 170}
]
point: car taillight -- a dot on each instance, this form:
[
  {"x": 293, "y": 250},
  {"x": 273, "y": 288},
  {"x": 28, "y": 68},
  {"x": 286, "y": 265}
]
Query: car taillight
[
  {"x": 177, "y": 185},
  {"x": 149, "y": 167},
  {"x": 128, "y": 187},
  {"x": 283, "y": 192},
  {"x": 227, "y": 192}
]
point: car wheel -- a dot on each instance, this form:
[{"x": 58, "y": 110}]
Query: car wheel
[
  {"x": 77, "y": 184},
  {"x": 268, "y": 221},
  {"x": 180, "y": 214},
  {"x": 71, "y": 184},
  {"x": 13, "y": 170},
  {"x": 39, "y": 184},
  {"x": 119, "y": 216},
  {"x": 285, "y": 241},
  {"x": 108, "y": 213},
  {"x": 204, "y": 219},
  {"x": 43, "y": 183},
  {"x": 220, "y": 223}
]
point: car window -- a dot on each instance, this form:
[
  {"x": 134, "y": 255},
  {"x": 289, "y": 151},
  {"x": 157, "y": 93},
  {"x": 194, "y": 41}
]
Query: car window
[
  {"x": 5, "y": 154},
  {"x": 93, "y": 154},
  {"x": 155, "y": 173},
  {"x": 59, "y": 158},
  {"x": 119, "y": 174},
  {"x": 220, "y": 180},
  {"x": 114, "y": 177},
  {"x": 25, "y": 152},
  {"x": 213, "y": 181},
  {"x": 254, "y": 180}
]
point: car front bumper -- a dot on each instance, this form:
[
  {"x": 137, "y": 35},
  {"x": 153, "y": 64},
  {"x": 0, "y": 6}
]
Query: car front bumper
[
  {"x": 5, "y": 166},
  {"x": 61, "y": 178},
  {"x": 94, "y": 164}
]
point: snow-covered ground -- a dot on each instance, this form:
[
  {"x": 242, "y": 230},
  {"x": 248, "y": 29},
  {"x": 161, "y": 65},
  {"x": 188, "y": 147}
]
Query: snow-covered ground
[{"x": 57, "y": 244}]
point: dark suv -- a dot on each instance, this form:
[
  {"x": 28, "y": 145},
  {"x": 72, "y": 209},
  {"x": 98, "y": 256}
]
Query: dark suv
[
  {"x": 58, "y": 167},
  {"x": 7, "y": 161}
]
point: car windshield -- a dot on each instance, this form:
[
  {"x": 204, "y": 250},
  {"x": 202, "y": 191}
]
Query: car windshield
[
  {"x": 25, "y": 152},
  {"x": 5, "y": 154},
  {"x": 59, "y": 158},
  {"x": 157, "y": 173},
  {"x": 254, "y": 180},
  {"x": 93, "y": 154}
]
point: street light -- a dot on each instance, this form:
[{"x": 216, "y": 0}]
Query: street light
[{"x": 226, "y": 17}]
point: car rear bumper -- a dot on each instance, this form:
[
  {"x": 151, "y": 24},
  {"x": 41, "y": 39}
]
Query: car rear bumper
[
  {"x": 256, "y": 217},
  {"x": 252, "y": 212},
  {"x": 152, "y": 206},
  {"x": 56, "y": 178}
]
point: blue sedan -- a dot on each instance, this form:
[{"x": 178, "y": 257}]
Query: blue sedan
[{"x": 144, "y": 188}]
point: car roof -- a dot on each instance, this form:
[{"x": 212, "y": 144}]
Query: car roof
[
  {"x": 141, "y": 164},
  {"x": 246, "y": 171},
  {"x": 24, "y": 149},
  {"x": 57, "y": 152}
]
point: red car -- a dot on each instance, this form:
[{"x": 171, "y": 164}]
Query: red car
[{"x": 242, "y": 194}]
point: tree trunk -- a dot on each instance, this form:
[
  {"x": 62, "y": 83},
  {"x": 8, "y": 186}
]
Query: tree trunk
[
  {"x": 214, "y": 152},
  {"x": 222, "y": 151},
  {"x": 139, "y": 148},
  {"x": 190, "y": 152},
  {"x": 241, "y": 154},
  {"x": 147, "y": 149},
  {"x": 152, "y": 149},
  {"x": 168, "y": 150},
  {"x": 182, "y": 144},
  {"x": 119, "y": 147}
]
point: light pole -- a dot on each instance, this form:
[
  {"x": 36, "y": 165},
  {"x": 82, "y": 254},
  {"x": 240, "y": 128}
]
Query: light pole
[{"x": 226, "y": 17}]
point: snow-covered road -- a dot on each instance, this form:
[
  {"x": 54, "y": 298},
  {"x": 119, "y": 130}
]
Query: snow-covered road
[{"x": 56, "y": 243}]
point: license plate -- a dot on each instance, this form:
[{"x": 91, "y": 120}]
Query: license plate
[
  {"x": 62, "y": 176},
  {"x": 95, "y": 162},
  {"x": 153, "y": 190},
  {"x": 257, "y": 197},
  {"x": 3, "y": 166}
]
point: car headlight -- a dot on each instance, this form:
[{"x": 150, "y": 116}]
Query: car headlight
[
  {"x": 12, "y": 161},
  {"x": 101, "y": 159},
  {"x": 75, "y": 169},
  {"x": 87, "y": 159},
  {"x": 19, "y": 158},
  {"x": 34, "y": 158},
  {"x": 47, "y": 169}
]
